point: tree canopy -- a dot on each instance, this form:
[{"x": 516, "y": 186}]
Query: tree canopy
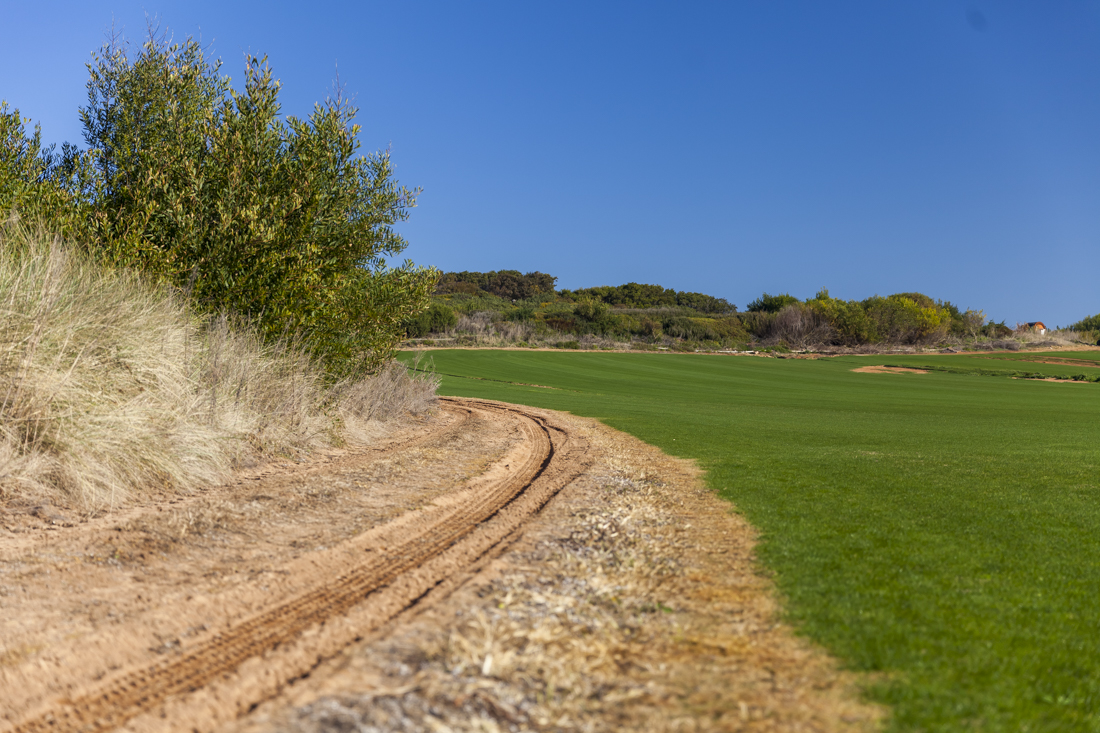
[{"x": 276, "y": 218}]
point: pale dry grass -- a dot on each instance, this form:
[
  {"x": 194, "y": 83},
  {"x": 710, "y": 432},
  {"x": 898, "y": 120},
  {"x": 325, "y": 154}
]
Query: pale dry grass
[
  {"x": 110, "y": 387},
  {"x": 1053, "y": 338},
  {"x": 483, "y": 329},
  {"x": 637, "y": 608}
]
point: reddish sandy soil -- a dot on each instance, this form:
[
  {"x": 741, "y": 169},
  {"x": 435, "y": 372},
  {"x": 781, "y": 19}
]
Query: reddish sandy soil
[{"x": 490, "y": 568}]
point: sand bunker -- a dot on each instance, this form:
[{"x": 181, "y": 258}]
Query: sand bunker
[{"x": 889, "y": 370}]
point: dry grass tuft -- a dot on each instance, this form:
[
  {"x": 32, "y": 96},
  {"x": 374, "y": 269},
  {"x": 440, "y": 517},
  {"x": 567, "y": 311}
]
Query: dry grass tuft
[
  {"x": 396, "y": 390},
  {"x": 110, "y": 387}
]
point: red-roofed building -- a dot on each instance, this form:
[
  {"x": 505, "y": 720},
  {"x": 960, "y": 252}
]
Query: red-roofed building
[{"x": 1035, "y": 327}]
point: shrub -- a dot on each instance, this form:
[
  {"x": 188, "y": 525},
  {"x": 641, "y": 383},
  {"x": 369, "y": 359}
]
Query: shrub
[
  {"x": 636, "y": 295},
  {"x": 438, "y": 318},
  {"x": 35, "y": 181},
  {"x": 758, "y": 323},
  {"x": 280, "y": 220},
  {"x": 996, "y": 330},
  {"x": 800, "y": 326},
  {"x": 650, "y": 328},
  {"x": 631, "y": 295},
  {"x": 771, "y": 303},
  {"x": 507, "y": 284},
  {"x": 1091, "y": 323},
  {"x": 730, "y": 328},
  {"x": 592, "y": 311},
  {"x": 520, "y": 313},
  {"x": 705, "y": 303},
  {"x": 689, "y": 329},
  {"x": 574, "y": 344},
  {"x": 900, "y": 319}
]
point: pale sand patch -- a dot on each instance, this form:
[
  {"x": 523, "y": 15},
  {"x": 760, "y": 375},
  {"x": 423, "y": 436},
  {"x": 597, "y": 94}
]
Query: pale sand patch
[
  {"x": 1054, "y": 379},
  {"x": 889, "y": 370}
]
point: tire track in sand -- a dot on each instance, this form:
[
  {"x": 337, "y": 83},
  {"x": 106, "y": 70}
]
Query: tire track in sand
[{"x": 431, "y": 546}]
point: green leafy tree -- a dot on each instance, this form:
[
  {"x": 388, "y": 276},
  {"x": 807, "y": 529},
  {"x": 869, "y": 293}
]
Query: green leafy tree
[
  {"x": 43, "y": 187},
  {"x": 507, "y": 284},
  {"x": 278, "y": 219},
  {"x": 436, "y": 319},
  {"x": 900, "y": 319},
  {"x": 848, "y": 318},
  {"x": 771, "y": 303},
  {"x": 1092, "y": 323}
]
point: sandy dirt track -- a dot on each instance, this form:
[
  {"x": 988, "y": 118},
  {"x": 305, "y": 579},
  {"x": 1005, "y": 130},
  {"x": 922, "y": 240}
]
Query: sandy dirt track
[{"x": 188, "y": 616}]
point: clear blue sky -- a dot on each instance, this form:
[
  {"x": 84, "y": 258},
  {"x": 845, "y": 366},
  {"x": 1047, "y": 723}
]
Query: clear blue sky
[{"x": 729, "y": 148}]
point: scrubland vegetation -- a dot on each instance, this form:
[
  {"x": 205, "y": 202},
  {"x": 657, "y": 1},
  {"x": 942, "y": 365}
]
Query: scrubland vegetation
[
  {"x": 113, "y": 385},
  {"x": 276, "y": 219},
  {"x": 509, "y": 308},
  {"x": 1088, "y": 328},
  {"x": 202, "y": 286},
  {"x": 936, "y": 531}
]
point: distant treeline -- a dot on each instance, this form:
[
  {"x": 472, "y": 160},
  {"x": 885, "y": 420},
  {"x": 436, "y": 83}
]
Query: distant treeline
[
  {"x": 633, "y": 295},
  {"x": 901, "y": 318},
  {"x": 507, "y": 284},
  {"x": 653, "y": 314},
  {"x": 512, "y": 285},
  {"x": 1092, "y": 323}
]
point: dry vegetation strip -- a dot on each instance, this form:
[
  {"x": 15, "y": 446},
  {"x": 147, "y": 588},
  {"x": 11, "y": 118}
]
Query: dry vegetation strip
[
  {"x": 111, "y": 388},
  {"x": 383, "y": 570},
  {"x": 633, "y": 602}
]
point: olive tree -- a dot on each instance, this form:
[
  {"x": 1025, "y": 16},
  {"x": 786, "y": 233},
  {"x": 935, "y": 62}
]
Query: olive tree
[{"x": 278, "y": 219}]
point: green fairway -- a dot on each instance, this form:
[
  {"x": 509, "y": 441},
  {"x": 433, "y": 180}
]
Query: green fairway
[{"x": 939, "y": 530}]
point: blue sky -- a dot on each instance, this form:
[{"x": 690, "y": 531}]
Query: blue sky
[{"x": 730, "y": 148}]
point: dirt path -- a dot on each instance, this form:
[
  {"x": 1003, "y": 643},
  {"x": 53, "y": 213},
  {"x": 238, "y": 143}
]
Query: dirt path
[{"x": 187, "y": 616}]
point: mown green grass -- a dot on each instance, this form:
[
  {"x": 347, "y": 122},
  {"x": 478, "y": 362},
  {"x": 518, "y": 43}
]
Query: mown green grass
[
  {"x": 1023, "y": 365},
  {"x": 939, "y": 531}
]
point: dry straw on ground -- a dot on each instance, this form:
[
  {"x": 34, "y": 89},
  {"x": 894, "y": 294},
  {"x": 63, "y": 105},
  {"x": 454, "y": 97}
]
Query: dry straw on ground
[
  {"x": 110, "y": 387},
  {"x": 634, "y": 603}
]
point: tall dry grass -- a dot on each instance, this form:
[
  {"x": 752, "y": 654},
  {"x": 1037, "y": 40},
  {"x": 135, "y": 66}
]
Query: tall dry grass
[
  {"x": 1054, "y": 337},
  {"x": 110, "y": 387}
]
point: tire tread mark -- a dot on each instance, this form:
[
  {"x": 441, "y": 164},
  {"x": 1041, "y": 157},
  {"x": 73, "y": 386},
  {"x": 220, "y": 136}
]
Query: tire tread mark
[{"x": 123, "y": 698}]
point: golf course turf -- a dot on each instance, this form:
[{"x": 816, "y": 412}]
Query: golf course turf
[{"x": 939, "y": 531}]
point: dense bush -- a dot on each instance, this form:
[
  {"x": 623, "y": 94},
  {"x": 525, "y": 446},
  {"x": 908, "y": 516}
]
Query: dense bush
[
  {"x": 692, "y": 329},
  {"x": 520, "y": 314},
  {"x": 900, "y": 319},
  {"x": 635, "y": 295},
  {"x": 507, "y": 284},
  {"x": 850, "y": 322},
  {"x": 436, "y": 319},
  {"x": 592, "y": 311},
  {"x": 996, "y": 330},
  {"x": 42, "y": 185},
  {"x": 771, "y": 303},
  {"x": 277, "y": 219},
  {"x": 1091, "y": 323}
]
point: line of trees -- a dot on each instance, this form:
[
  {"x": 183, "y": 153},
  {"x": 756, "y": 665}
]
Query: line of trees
[
  {"x": 507, "y": 284},
  {"x": 635, "y": 295},
  {"x": 1091, "y": 323},
  {"x": 278, "y": 219},
  {"x": 511, "y": 285},
  {"x": 652, "y": 312},
  {"x": 902, "y": 318}
]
